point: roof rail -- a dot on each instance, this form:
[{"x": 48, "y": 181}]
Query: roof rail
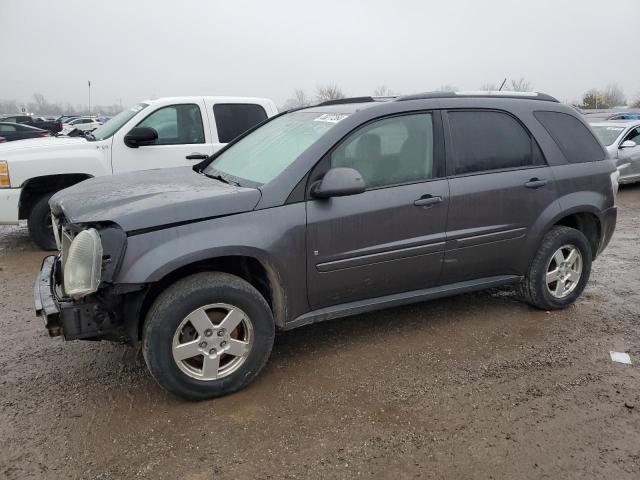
[
  {"x": 340, "y": 101},
  {"x": 480, "y": 94}
]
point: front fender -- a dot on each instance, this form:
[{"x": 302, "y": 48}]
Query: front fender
[{"x": 275, "y": 237}]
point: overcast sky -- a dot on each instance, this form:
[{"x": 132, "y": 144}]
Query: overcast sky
[{"x": 137, "y": 49}]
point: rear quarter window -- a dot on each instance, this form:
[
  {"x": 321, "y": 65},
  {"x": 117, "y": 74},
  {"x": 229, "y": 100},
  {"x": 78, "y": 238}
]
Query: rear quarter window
[
  {"x": 233, "y": 119},
  {"x": 573, "y": 138}
]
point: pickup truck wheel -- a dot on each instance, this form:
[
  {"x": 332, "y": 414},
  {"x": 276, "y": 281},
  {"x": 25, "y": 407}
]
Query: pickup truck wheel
[
  {"x": 39, "y": 223},
  {"x": 559, "y": 271},
  {"x": 207, "y": 335}
]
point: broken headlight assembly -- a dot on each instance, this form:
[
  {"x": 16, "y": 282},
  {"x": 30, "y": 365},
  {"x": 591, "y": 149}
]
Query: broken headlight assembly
[{"x": 83, "y": 264}]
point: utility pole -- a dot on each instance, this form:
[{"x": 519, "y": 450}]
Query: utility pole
[{"x": 89, "y": 82}]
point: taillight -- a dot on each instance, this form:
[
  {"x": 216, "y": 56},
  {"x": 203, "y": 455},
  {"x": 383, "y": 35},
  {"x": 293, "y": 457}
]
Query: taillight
[
  {"x": 2, "y": 139},
  {"x": 43, "y": 133}
]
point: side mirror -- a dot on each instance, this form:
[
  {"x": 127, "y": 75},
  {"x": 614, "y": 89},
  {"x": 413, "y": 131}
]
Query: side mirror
[
  {"x": 139, "y": 136},
  {"x": 339, "y": 182},
  {"x": 628, "y": 144}
]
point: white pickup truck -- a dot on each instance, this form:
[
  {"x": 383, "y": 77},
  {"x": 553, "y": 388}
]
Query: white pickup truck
[{"x": 166, "y": 132}]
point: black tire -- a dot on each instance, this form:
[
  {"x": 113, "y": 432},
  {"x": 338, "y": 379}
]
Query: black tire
[
  {"x": 39, "y": 223},
  {"x": 533, "y": 288},
  {"x": 175, "y": 304}
]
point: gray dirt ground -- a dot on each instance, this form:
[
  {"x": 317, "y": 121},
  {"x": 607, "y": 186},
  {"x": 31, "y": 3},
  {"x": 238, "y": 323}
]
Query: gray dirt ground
[{"x": 476, "y": 386}]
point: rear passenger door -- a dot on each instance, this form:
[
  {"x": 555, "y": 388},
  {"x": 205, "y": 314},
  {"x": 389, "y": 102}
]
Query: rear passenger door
[
  {"x": 233, "y": 119},
  {"x": 499, "y": 186},
  {"x": 389, "y": 239}
]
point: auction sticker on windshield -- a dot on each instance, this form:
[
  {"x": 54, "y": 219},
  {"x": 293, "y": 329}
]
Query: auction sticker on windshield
[{"x": 331, "y": 117}]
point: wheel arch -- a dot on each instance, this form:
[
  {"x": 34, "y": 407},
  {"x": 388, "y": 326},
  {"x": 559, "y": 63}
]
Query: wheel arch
[
  {"x": 261, "y": 274},
  {"x": 34, "y": 188}
]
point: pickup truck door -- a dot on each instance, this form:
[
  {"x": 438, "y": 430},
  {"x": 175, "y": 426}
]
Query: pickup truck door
[{"x": 184, "y": 138}]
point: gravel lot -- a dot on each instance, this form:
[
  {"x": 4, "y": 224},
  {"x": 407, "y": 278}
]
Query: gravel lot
[{"x": 476, "y": 386}]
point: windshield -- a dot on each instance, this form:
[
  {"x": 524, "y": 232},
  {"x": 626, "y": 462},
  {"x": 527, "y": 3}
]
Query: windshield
[
  {"x": 607, "y": 135},
  {"x": 265, "y": 153},
  {"x": 113, "y": 125}
]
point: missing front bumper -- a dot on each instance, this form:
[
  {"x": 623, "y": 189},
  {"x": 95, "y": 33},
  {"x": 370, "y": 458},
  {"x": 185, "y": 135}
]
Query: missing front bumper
[{"x": 83, "y": 319}]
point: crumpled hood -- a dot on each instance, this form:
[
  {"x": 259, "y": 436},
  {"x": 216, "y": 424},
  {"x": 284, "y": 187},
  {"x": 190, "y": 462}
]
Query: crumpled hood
[{"x": 152, "y": 198}]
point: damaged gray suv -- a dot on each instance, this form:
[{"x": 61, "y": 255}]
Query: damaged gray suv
[{"x": 323, "y": 212}]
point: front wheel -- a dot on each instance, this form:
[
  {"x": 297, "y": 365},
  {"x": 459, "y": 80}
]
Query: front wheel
[
  {"x": 207, "y": 335},
  {"x": 559, "y": 271},
  {"x": 39, "y": 224}
]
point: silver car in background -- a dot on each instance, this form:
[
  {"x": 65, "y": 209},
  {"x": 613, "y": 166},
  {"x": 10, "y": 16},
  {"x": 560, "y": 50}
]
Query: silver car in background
[{"x": 622, "y": 140}]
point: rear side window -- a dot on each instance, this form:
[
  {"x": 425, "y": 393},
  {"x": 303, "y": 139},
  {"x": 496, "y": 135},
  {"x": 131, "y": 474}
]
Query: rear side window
[
  {"x": 233, "y": 119},
  {"x": 489, "y": 140},
  {"x": 575, "y": 140}
]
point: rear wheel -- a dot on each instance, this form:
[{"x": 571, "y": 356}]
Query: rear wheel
[
  {"x": 559, "y": 271},
  {"x": 207, "y": 335},
  {"x": 39, "y": 223}
]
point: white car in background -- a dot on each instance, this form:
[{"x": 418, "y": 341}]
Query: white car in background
[
  {"x": 85, "y": 124},
  {"x": 621, "y": 138},
  {"x": 161, "y": 133}
]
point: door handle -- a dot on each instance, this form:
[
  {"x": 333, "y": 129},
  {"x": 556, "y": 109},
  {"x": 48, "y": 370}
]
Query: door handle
[
  {"x": 535, "y": 183},
  {"x": 196, "y": 156},
  {"x": 427, "y": 200}
]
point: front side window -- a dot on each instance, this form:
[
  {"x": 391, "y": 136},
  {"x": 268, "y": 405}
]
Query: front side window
[
  {"x": 391, "y": 151},
  {"x": 266, "y": 152},
  {"x": 233, "y": 119},
  {"x": 176, "y": 125},
  {"x": 489, "y": 140},
  {"x": 634, "y": 136},
  {"x": 572, "y": 137}
]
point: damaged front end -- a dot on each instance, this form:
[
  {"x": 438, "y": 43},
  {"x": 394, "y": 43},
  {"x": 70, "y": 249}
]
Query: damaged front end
[{"x": 74, "y": 290}]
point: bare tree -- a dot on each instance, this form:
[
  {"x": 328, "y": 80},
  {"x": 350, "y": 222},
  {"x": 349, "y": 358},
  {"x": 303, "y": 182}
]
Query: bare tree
[
  {"x": 636, "y": 102},
  {"x": 384, "y": 91},
  {"x": 489, "y": 87},
  {"x": 299, "y": 99},
  {"x": 330, "y": 91},
  {"x": 521, "y": 85},
  {"x": 8, "y": 106},
  {"x": 613, "y": 95}
]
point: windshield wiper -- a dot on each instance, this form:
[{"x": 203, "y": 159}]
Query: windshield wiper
[
  {"x": 221, "y": 178},
  {"x": 90, "y": 136}
]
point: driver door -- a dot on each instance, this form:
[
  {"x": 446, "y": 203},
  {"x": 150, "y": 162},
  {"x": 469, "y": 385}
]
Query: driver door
[
  {"x": 391, "y": 238},
  {"x": 182, "y": 132},
  {"x": 630, "y": 155}
]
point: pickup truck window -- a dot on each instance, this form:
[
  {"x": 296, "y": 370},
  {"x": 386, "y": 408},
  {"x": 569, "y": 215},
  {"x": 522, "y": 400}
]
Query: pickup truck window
[
  {"x": 176, "y": 125},
  {"x": 266, "y": 152},
  {"x": 112, "y": 126},
  {"x": 233, "y": 119}
]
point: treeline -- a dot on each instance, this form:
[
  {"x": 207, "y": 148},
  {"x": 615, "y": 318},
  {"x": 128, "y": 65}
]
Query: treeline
[
  {"x": 40, "y": 106},
  {"x": 610, "y": 96}
]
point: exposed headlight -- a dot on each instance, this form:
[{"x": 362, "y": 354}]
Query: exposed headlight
[
  {"x": 83, "y": 265},
  {"x": 5, "y": 181}
]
